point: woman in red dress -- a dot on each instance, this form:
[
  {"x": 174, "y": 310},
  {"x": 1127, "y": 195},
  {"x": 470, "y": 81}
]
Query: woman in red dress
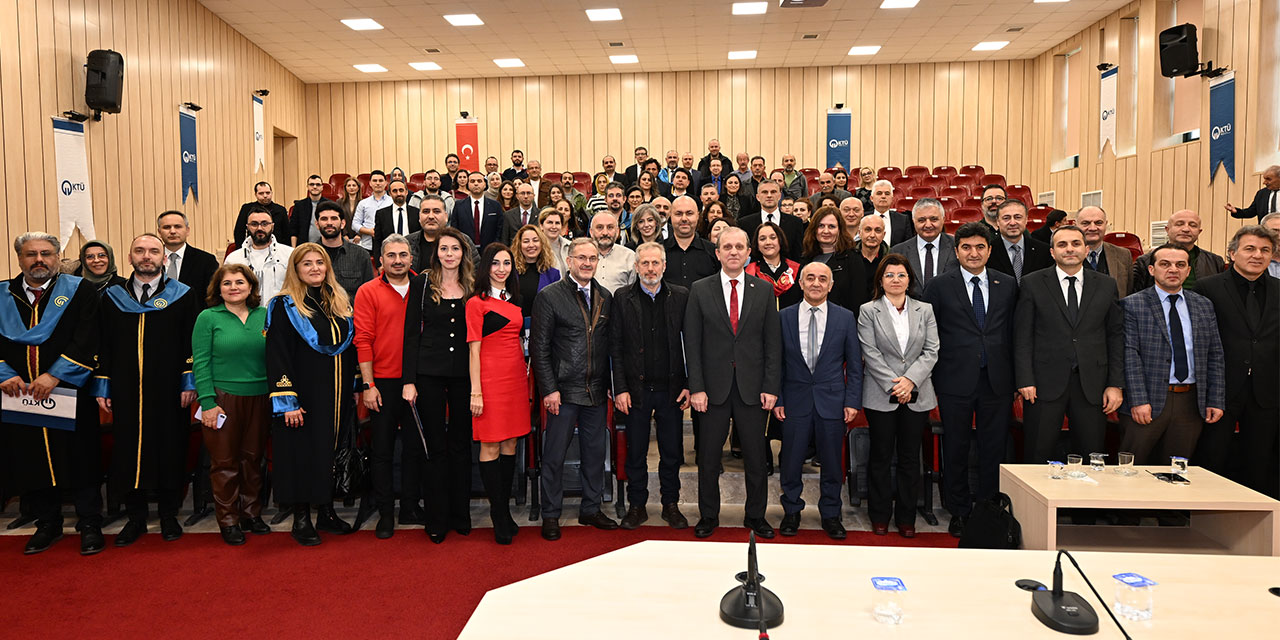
[{"x": 499, "y": 380}]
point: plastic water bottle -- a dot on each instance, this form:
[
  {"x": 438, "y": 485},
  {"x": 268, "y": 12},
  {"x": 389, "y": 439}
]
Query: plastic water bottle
[{"x": 890, "y": 593}]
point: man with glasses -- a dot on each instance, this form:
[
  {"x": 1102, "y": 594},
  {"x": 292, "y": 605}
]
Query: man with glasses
[
  {"x": 432, "y": 185},
  {"x": 263, "y": 252},
  {"x": 993, "y": 195},
  {"x": 303, "y": 214},
  {"x": 449, "y": 181}
]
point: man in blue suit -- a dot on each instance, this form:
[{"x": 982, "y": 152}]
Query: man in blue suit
[
  {"x": 821, "y": 392},
  {"x": 1173, "y": 363},
  {"x": 476, "y": 215},
  {"x": 974, "y": 374}
]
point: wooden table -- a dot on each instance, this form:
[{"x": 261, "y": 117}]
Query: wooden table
[
  {"x": 670, "y": 589},
  {"x": 1226, "y": 518}
]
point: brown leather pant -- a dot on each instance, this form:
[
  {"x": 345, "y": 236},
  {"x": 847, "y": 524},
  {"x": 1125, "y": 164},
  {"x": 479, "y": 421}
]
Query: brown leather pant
[{"x": 235, "y": 456}]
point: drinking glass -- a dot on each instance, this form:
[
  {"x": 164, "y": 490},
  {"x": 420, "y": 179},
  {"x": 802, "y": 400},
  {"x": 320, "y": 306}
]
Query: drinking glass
[
  {"x": 1056, "y": 469},
  {"x": 1075, "y": 466},
  {"x": 1096, "y": 462},
  {"x": 1125, "y": 466}
]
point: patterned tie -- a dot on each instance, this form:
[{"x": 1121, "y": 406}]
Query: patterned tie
[
  {"x": 979, "y": 314},
  {"x": 1180, "y": 368},
  {"x": 477, "y": 222},
  {"x": 928, "y": 262},
  {"x": 172, "y": 271},
  {"x": 1016, "y": 258},
  {"x": 733, "y": 306},
  {"x": 1093, "y": 259},
  {"x": 813, "y": 338},
  {"x": 503, "y": 295},
  {"x": 524, "y": 218},
  {"x": 586, "y": 295},
  {"x": 1073, "y": 302},
  {"x": 33, "y": 351}
]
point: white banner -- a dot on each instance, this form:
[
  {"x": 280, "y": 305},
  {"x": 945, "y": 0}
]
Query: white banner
[
  {"x": 75, "y": 205},
  {"x": 1107, "y": 109},
  {"x": 259, "y": 139}
]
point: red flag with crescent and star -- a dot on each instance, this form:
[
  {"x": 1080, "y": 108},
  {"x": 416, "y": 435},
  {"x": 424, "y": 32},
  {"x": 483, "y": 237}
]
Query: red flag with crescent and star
[{"x": 468, "y": 144}]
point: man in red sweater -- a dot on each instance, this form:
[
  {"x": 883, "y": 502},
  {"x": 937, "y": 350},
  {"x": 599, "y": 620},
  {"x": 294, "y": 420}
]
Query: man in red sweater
[{"x": 379, "y": 340}]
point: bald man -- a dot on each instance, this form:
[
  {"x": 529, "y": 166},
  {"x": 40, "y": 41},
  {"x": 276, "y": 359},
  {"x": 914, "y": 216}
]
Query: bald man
[
  {"x": 1266, "y": 200},
  {"x": 1103, "y": 256},
  {"x": 1184, "y": 228}
]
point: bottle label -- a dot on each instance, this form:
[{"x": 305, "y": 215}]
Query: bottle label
[
  {"x": 888, "y": 584},
  {"x": 1134, "y": 580}
]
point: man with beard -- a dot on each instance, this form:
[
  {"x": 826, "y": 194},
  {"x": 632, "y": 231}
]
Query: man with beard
[
  {"x": 144, "y": 379},
  {"x": 262, "y": 199},
  {"x": 422, "y": 243},
  {"x": 263, "y": 253},
  {"x": 795, "y": 184},
  {"x": 516, "y": 171},
  {"x": 432, "y": 185},
  {"x": 397, "y": 217},
  {"x": 525, "y": 212},
  {"x": 713, "y": 153},
  {"x": 668, "y": 172},
  {"x": 449, "y": 181},
  {"x": 571, "y": 193},
  {"x": 690, "y": 257},
  {"x": 827, "y": 189},
  {"x": 48, "y": 339},
  {"x": 695, "y": 176},
  {"x": 303, "y": 214},
  {"x": 617, "y": 263},
  {"x": 351, "y": 265}
]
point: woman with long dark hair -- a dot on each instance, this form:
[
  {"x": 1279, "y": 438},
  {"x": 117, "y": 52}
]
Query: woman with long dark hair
[
  {"x": 737, "y": 203},
  {"x": 436, "y": 379},
  {"x": 827, "y": 240},
  {"x": 499, "y": 380},
  {"x": 352, "y": 194}
]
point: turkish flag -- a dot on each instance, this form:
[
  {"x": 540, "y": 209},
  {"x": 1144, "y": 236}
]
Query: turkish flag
[{"x": 468, "y": 144}]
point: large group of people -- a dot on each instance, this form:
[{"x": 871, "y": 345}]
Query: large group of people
[{"x": 768, "y": 312}]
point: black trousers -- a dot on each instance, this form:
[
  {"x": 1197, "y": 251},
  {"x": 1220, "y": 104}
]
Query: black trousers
[
  {"x": 984, "y": 417},
  {"x": 893, "y": 432},
  {"x": 658, "y": 406},
  {"x": 593, "y": 448},
  {"x": 395, "y": 421},
  {"x": 447, "y": 469},
  {"x": 1259, "y": 444},
  {"x": 46, "y": 505},
  {"x": 749, "y": 420},
  {"x": 1042, "y": 423}
]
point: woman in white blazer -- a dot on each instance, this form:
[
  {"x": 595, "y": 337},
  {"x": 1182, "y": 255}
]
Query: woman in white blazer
[{"x": 899, "y": 339}]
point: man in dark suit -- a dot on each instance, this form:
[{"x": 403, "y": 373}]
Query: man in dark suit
[
  {"x": 1068, "y": 341},
  {"x": 768, "y": 195},
  {"x": 1173, "y": 365},
  {"x": 974, "y": 308},
  {"x": 821, "y": 393},
  {"x": 633, "y": 171},
  {"x": 1055, "y": 219},
  {"x": 1266, "y": 200},
  {"x": 1013, "y": 251},
  {"x": 1183, "y": 228},
  {"x": 733, "y": 353},
  {"x": 398, "y": 217},
  {"x": 279, "y": 215},
  {"x": 516, "y": 171},
  {"x": 302, "y": 216},
  {"x": 897, "y": 224},
  {"x": 476, "y": 215},
  {"x": 1247, "y": 301},
  {"x": 525, "y": 212},
  {"x": 1103, "y": 256},
  {"x": 931, "y": 252},
  {"x": 183, "y": 262}
]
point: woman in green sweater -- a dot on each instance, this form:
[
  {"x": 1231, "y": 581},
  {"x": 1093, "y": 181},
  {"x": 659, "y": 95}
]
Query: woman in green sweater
[{"x": 229, "y": 360}]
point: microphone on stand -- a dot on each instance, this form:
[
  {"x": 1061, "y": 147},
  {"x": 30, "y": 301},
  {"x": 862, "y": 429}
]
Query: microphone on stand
[
  {"x": 1066, "y": 611},
  {"x": 749, "y": 605}
]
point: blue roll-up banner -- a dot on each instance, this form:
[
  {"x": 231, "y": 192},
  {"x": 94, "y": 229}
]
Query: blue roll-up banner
[
  {"x": 1222, "y": 119},
  {"x": 187, "y": 133},
  {"x": 839, "y": 127}
]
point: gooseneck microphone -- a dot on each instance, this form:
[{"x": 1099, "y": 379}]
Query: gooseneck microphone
[
  {"x": 749, "y": 605},
  {"x": 1066, "y": 611}
]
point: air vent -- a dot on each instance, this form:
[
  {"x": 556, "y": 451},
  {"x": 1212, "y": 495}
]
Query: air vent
[
  {"x": 809, "y": 36},
  {"x": 431, "y": 50},
  {"x": 1013, "y": 29},
  {"x": 802, "y": 4},
  {"x": 1091, "y": 199},
  {"x": 1049, "y": 198},
  {"x": 1158, "y": 234},
  {"x": 615, "y": 44}
]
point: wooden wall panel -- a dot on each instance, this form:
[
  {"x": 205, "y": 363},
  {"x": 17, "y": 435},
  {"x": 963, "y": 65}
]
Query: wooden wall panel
[{"x": 175, "y": 51}]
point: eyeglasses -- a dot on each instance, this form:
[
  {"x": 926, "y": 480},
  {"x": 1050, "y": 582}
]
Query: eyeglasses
[
  {"x": 588, "y": 259},
  {"x": 994, "y": 199},
  {"x": 260, "y": 225},
  {"x": 315, "y": 184}
]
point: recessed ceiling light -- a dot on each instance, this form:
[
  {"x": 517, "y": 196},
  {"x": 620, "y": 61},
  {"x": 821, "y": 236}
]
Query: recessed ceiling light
[
  {"x": 370, "y": 68},
  {"x": 990, "y": 46},
  {"x": 362, "y": 24},
  {"x": 508, "y": 62},
  {"x": 749, "y": 8},
  {"x": 603, "y": 15},
  {"x": 899, "y": 4},
  {"x": 626, "y": 59},
  {"x": 464, "y": 20},
  {"x": 867, "y": 50},
  {"x": 425, "y": 66},
  {"x": 742, "y": 55}
]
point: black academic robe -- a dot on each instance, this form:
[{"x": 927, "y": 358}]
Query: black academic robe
[
  {"x": 144, "y": 365},
  {"x": 35, "y": 457},
  {"x": 302, "y": 377}
]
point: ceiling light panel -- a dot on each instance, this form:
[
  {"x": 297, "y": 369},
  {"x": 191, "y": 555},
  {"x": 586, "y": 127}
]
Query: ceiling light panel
[
  {"x": 425, "y": 66},
  {"x": 995, "y": 45},
  {"x": 742, "y": 55},
  {"x": 749, "y": 8},
  {"x": 362, "y": 24},
  {"x": 624, "y": 59},
  {"x": 508, "y": 63},
  {"x": 370, "y": 68},
  {"x": 864, "y": 50},
  {"x": 603, "y": 15},
  {"x": 464, "y": 20}
]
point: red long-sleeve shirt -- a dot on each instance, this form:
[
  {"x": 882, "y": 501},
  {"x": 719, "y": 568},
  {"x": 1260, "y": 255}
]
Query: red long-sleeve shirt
[{"x": 379, "y": 318}]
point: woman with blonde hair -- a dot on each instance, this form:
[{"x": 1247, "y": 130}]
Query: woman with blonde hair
[
  {"x": 311, "y": 368},
  {"x": 536, "y": 265}
]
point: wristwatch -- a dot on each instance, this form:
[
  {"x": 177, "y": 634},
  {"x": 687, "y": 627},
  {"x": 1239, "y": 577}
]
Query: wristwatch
[{"x": 365, "y": 386}]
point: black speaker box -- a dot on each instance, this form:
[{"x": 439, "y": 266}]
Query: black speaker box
[
  {"x": 104, "y": 80},
  {"x": 1178, "y": 53}
]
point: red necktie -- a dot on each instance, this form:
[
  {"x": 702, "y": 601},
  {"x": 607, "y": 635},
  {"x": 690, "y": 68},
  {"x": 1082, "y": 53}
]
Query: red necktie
[
  {"x": 733, "y": 306},
  {"x": 477, "y": 231},
  {"x": 33, "y": 355}
]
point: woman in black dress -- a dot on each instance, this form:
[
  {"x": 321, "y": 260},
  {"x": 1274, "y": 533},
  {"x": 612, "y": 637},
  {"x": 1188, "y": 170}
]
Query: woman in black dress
[
  {"x": 827, "y": 240},
  {"x": 311, "y": 371}
]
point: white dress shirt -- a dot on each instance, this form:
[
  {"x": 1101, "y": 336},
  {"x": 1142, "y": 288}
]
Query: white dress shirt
[
  {"x": 182, "y": 257},
  {"x": 937, "y": 257},
  {"x": 805, "y": 313},
  {"x": 27, "y": 287},
  {"x": 726, "y": 290},
  {"x": 399, "y": 218},
  {"x": 1062, "y": 283},
  {"x": 983, "y": 284},
  {"x": 888, "y": 225},
  {"x": 901, "y": 323},
  {"x": 152, "y": 285},
  {"x": 365, "y": 215},
  {"x": 776, "y": 213}
]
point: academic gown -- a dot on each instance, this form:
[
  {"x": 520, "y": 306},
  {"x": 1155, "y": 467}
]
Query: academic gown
[
  {"x": 144, "y": 365},
  {"x": 61, "y": 336},
  {"x": 315, "y": 373}
]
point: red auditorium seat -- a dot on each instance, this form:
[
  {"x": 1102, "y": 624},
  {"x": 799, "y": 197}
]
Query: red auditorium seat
[
  {"x": 937, "y": 182},
  {"x": 904, "y": 203},
  {"x": 337, "y": 180},
  {"x": 888, "y": 173},
  {"x": 994, "y": 178},
  {"x": 813, "y": 184},
  {"x": 971, "y": 201},
  {"x": 1021, "y": 192},
  {"x": 917, "y": 172},
  {"x": 363, "y": 179},
  {"x": 959, "y": 193},
  {"x": 903, "y": 184},
  {"x": 949, "y": 205},
  {"x": 961, "y": 215},
  {"x": 1126, "y": 240},
  {"x": 973, "y": 170},
  {"x": 965, "y": 180},
  {"x": 416, "y": 181},
  {"x": 921, "y": 191},
  {"x": 582, "y": 182},
  {"x": 808, "y": 172},
  {"x": 946, "y": 171},
  {"x": 327, "y": 191},
  {"x": 1037, "y": 215}
]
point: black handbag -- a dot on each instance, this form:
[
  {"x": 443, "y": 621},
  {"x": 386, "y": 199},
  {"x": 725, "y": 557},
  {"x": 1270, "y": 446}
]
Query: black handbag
[
  {"x": 351, "y": 467},
  {"x": 991, "y": 525}
]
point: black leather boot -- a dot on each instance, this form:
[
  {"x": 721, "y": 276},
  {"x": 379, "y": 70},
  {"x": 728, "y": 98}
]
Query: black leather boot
[
  {"x": 491, "y": 477},
  {"x": 508, "y": 466},
  {"x": 303, "y": 531},
  {"x": 327, "y": 520}
]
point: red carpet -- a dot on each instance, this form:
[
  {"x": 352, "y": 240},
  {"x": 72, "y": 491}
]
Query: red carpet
[{"x": 355, "y": 586}]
